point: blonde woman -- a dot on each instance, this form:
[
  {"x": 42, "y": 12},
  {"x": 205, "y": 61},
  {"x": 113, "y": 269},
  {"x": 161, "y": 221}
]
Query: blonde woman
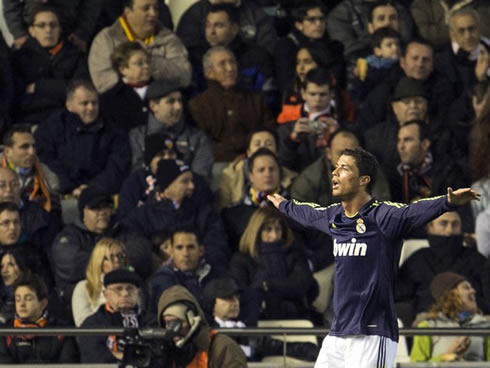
[
  {"x": 107, "y": 255},
  {"x": 455, "y": 307},
  {"x": 272, "y": 266}
]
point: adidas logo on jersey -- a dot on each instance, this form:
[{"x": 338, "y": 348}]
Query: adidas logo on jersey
[{"x": 352, "y": 249}]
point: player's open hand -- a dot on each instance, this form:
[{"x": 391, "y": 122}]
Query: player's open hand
[
  {"x": 276, "y": 199},
  {"x": 462, "y": 196}
]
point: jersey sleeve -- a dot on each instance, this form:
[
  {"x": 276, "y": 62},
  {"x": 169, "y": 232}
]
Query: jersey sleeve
[
  {"x": 396, "y": 220},
  {"x": 309, "y": 214}
]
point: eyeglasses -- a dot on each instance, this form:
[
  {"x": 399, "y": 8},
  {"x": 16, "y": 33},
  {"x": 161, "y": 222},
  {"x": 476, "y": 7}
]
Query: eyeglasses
[
  {"x": 7, "y": 223},
  {"x": 52, "y": 25},
  {"x": 115, "y": 257},
  {"x": 320, "y": 19},
  {"x": 130, "y": 289}
]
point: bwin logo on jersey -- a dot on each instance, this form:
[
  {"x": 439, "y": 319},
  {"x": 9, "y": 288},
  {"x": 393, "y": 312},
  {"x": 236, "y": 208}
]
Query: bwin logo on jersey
[{"x": 352, "y": 249}]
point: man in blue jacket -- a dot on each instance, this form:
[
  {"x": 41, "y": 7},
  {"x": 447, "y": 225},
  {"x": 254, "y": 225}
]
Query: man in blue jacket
[{"x": 367, "y": 237}]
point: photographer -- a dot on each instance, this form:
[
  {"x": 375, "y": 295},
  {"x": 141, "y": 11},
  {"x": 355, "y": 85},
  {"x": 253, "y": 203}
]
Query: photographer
[
  {"x": 196, "y": 343},
  {"x": 310, "y": 125},
  {"x": 121, "y": 291}
]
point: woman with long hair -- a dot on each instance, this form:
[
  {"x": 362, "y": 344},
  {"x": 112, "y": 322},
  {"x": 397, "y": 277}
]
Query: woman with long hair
[
  {"x": 455, "y": 306},
  {"x": 270, "y": 264},
  {"x": 108, "y": 254}
]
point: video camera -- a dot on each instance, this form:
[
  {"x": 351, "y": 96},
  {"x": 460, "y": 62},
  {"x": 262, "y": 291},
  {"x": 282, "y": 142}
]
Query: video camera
[{"x": 140, "y": 346}]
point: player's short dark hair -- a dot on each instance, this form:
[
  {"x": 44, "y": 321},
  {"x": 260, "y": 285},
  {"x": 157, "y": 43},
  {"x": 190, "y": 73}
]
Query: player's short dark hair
[
  {"x": 423, "y": 128},
  {"x": 366, "y": 164},
  {"x": 230, "y": 9},
  {"x": 381, "y": 33},
  {"x": 420, "y": 41},
  {"x": 8, "y": 138},
  {"x": 8, "y": 206},
  {"x": 260, "y": 130},
  {"x": 185, "y": 229},
  {"x": 301, "y": 10},
  {"x": 121, "y": 54},
  {"x": 36, "y": 284},
  {"x": 79, "y": 83},
  {"x": 259, "y": 153},
  {"x": 375, "y": 4},
  {"x": 320, "y": 77}
]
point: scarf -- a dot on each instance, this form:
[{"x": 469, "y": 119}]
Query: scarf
[
  {"x": 416, "y": 179},
  {"x": 19, "y": 323},
  {"x": 259, "y": 199},
  {"x": 129, "y": 32},
  {"x": 39, "y": 191},
  {"x": 53, "y": 51}
]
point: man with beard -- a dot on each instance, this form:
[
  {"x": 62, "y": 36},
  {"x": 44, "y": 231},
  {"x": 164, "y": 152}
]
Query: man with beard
[{"x": 446, "y": 252}]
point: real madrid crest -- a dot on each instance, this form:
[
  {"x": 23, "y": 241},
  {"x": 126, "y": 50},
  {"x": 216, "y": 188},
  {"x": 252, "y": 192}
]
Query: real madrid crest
[{"x": 360, "y": 227}]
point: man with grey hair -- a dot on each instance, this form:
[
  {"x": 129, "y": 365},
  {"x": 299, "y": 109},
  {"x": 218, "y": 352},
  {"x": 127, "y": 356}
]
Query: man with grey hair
[
  {"x": 224, "y": 112},
  {"x": 464, "y": 61}
]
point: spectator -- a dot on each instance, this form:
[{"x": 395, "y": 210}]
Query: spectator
[
  {"x": 308, "y": 131},
  {"x": 224, "y": 112},
  {"x": 80, "y": 147},
  {"x": 139, "y": 185},
  {"x": 167, "y": 117},
  {"x": 107, "y": 255},
  {"x": 417, "y": 62},
  {"x": 314, "y": 183},
  {"x": 351, "y": 22},
  {"x": 121, "y": 290},
  {"x": 42, "y": 68},
  {"x": 31, "y": 311},
  {"x": 177, "y": 307},
  {"x": 271, "y": 265},
  {"x": 234, "y": 182},
  {"x": 455, "y": 307},
  {"x": 125, "y": 104},
  {"x": 374, "y": 68},
  {"x": 310, "y": 28},
  {"x": 482, "y": 229},
  {"x": 221, "y": 305},
  {"x": 38, "y": 183},
  {"x": 187, "y": 267},
  {"x": 431, "y": 18},
  {"x": 139, "y": 23},
  {"x": 14, "y": 268},
  {"x": 71, "y": 250},
  {"x": 446, "y": 252},
  {"x": 174, "y": 202},
  {"x": 256, "y": 27},
  {"x": 78, "y": 21},
  {"x": 6, "y": 87}
]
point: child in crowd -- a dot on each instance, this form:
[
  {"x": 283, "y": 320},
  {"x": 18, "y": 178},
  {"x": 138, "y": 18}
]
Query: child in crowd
[{"x": 373, "y": 69}]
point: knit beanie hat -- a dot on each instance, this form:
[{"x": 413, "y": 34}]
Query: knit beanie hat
[
  {"x": 122, "y": 276},
  {"x": 168, "y": 171},
  {"x": 156, "y": 143},
  {"x": 409, "y": 87},
  {"x": 443, "y": 283}
]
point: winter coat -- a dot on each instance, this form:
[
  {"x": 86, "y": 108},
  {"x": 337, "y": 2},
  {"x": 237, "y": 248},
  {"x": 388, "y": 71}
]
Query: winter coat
[
  {"x": 161, "y": 215},
  {"x": 38, "y": 350},
  {"x": 93, "y": 154},
  {"x": 222, "y": 350},
  {"x": 50, "y": 74},
  {"x": 431, "y": 348},
  {"x": 168, "y": 57},
  {"x": 124, "y": 107},
  {"x": 191, "y": 142},
  {"x": 77, "y": 16},
  {"x": 256, "y": 27},
  {"x": 234, "y": 181},
  {"x": 348, "y": 23},
  {"x": 227, "y": 116},
  {"x": 139, "y": 185}
]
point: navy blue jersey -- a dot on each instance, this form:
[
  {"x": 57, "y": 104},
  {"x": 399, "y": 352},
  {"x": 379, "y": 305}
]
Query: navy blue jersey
[{"x": 366, "y": 249}]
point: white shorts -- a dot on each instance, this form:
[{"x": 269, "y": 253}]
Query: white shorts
[{"x": 364, "y": 351}]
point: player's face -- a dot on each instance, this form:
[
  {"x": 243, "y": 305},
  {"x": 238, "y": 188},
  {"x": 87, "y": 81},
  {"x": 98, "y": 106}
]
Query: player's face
[
  {"x": 345, "y": 178},
  {"x": 467, "y": 295}
]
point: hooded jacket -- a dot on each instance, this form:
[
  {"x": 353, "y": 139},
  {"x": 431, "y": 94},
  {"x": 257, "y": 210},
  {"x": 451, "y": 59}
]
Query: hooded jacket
[{"x": 222, "y": 350}]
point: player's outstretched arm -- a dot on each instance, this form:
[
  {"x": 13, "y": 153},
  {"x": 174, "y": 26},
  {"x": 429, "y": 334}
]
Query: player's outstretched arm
[
  {"x": 462, "y": 196},
  {"x": 276, "y": 199}
]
